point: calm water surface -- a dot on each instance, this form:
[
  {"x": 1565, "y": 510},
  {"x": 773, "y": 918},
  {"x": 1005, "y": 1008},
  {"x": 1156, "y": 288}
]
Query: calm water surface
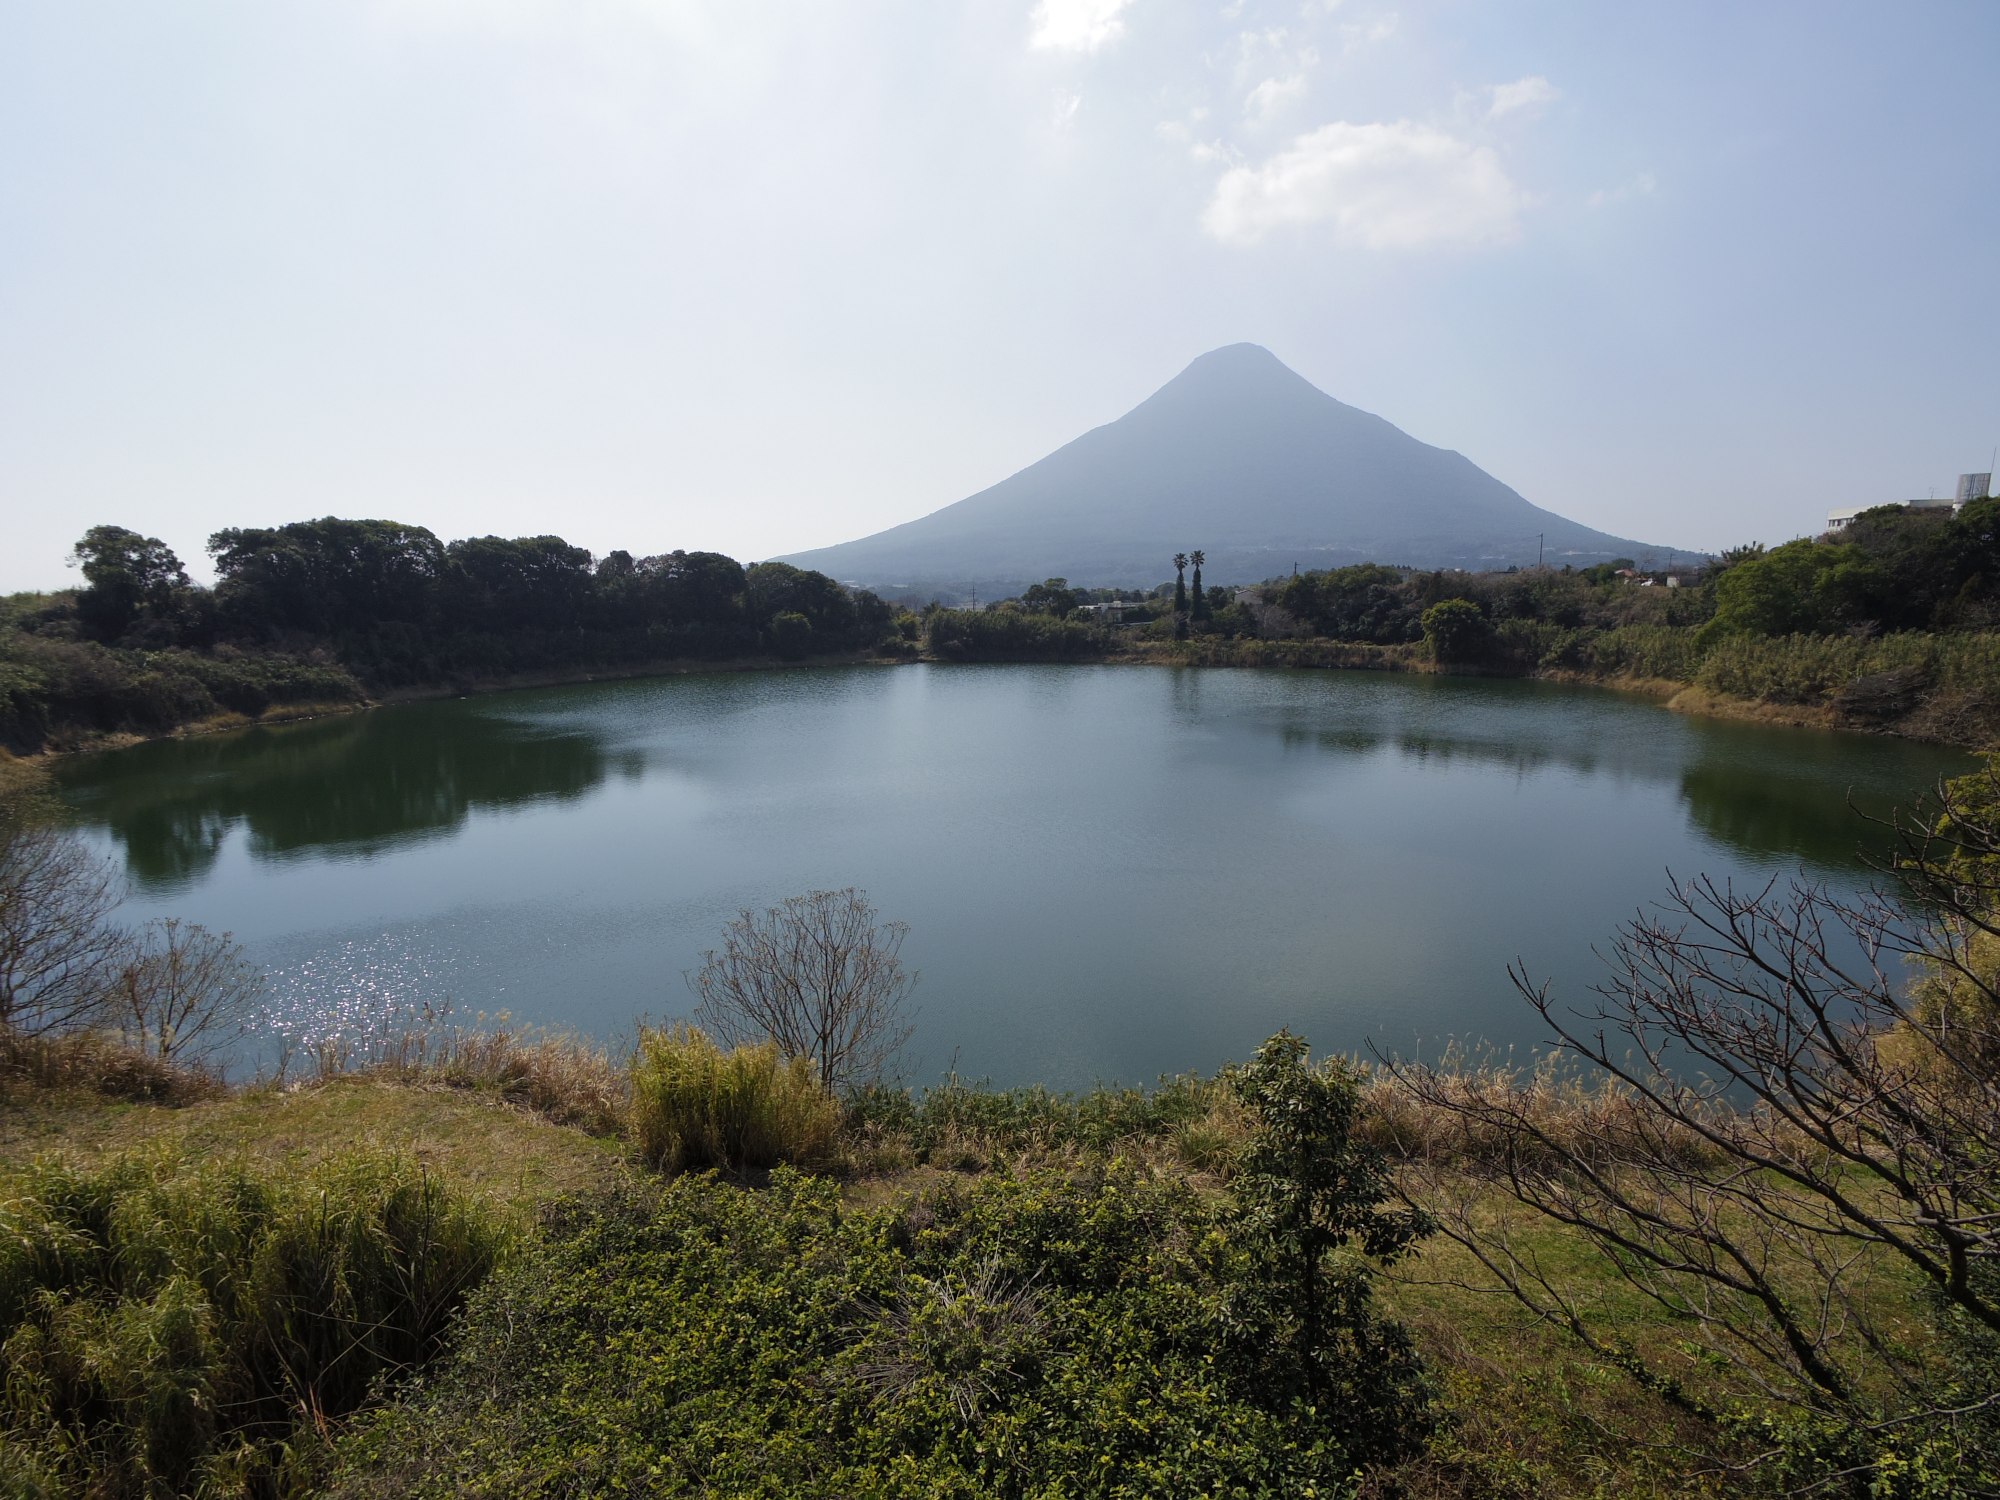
[{"x": 1109, "y": 873}]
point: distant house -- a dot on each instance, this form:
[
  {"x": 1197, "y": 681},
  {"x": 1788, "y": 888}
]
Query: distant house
[
  {"x": 1970, "y": 487},
  {"x": 1106, "y": 614}
]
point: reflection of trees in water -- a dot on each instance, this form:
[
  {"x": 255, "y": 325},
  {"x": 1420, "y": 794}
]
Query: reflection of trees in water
[
  {"x": 1778, "y": 814},
  {"x": 1443, "y": 749},
  {"x": 360, "y": 782},
  {"x": 1761, "y": 796}
]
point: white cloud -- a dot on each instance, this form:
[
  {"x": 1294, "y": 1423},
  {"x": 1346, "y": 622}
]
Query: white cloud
[
  {"x": 1394, "y": 186},
  {"x": 1076, "y": 25},
  {"x": 1641, "y": 186},
  {"x": 1273, "y": 97},
  {"x": 1354, "y": 35},
  {"x": 1529, "y": 94}
]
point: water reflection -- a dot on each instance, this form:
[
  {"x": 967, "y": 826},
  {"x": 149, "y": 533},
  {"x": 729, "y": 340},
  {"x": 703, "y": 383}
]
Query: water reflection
[
  {"x": 358, "y": 784},
  {"x": 1782, "y": 796}
]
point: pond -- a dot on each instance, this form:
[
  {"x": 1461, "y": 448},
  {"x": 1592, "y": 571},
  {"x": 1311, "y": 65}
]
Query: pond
[{"x": 1109, "y": 873}]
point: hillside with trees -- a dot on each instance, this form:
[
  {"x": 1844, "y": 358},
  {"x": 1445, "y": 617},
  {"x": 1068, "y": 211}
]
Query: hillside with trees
[
  {"x": 1891, "y": 624},
  {"x": 329, "y": 612}
]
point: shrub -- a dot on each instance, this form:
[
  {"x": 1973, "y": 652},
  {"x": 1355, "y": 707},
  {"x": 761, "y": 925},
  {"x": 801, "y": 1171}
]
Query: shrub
[
  {"x": 1455, "y": 631},
  {"x": 696, "y": 1106},
  {"x": 164, "y": 1327},
  {"x": 959, "y": 1123},
  {"x": 1009, "y": 635},
  {"x": 1053, "y": 1334}
]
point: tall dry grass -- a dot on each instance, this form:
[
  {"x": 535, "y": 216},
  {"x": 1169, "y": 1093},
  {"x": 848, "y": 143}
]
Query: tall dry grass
[
  {"x": 561, "y": 1076},
  {"x": 97, "y": 1062},
  {"x": 696, "y": 1106},
  {"x": 1529, "y": 1119}
]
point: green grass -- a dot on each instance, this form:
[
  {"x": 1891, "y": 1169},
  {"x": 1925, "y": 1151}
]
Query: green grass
[
  {"x": 1525, "y": 1410},
  {"x": 502, "y": 1153},
  {"x": 178, "y": 1325}
]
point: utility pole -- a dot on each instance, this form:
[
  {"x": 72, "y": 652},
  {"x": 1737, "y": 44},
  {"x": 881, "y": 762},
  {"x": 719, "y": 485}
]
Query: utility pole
[{"x": 1538, "y": 551}]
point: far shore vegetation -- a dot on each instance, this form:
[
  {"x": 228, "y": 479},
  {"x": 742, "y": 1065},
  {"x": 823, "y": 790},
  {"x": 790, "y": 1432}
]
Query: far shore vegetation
[
  {"x": 1736, "y": 1239},
  {"x": 1890, "y": 625}
]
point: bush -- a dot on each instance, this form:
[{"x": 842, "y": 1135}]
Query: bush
[
  {"x": 1455, "y": 631},
  {"x": 1009, "y": 635},
  {"x": 959, "y": 1123},
  {"x": 695, "y": 1106},
  {"x": 1053, "y": 1334},
  {"x": 167, "y": 1328}
]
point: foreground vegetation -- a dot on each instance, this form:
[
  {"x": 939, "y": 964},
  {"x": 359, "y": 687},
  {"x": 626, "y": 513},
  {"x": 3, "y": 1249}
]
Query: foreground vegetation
[{"x": 439, "y": 1259}]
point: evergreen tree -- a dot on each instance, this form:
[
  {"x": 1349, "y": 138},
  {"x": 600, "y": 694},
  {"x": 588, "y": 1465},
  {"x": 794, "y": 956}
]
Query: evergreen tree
[
  {"x": 1180, "y": 583},
  {"x": 1199, "y": 607}
]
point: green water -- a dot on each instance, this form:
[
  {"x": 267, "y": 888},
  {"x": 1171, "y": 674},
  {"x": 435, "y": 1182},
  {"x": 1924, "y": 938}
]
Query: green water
[{"x": 1109, "y": 873}]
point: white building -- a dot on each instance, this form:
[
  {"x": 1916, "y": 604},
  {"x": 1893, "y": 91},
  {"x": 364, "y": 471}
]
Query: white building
[{"x": 1970, "y": 487}]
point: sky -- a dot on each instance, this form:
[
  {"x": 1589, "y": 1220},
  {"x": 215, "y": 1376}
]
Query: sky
[{"x": 756, "y": 277}]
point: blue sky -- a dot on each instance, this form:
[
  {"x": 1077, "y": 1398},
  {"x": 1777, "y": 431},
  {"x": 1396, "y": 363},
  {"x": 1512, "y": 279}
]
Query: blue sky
[{"x": 758, "y": 277}]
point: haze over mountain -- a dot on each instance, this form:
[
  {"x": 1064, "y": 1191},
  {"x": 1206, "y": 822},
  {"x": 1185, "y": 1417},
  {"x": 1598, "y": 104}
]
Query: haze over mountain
[{"x": 1242, "y": 457}]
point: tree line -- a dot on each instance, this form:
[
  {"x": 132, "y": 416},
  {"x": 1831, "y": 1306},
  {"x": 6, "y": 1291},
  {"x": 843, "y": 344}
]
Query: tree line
[{"x": 399, "y": 605}]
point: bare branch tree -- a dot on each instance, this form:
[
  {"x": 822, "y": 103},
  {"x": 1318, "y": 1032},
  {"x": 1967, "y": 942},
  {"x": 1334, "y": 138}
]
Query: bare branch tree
[
  {"x": 184, "y": 992},
  {"x": 818, "y": 976},
  {"x": 57, "y": 947},
  {"x": 1842, "y": 1112}
]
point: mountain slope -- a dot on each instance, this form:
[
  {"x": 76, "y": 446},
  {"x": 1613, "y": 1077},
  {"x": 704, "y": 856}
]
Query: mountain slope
[{"x": 1242, "y": 457}]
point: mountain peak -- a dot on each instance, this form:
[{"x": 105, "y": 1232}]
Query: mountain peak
[
  {"x": 1243, "y": 456},
  {"x": 1243, "y": 375},
  {"x": 1237, "y": 360}
]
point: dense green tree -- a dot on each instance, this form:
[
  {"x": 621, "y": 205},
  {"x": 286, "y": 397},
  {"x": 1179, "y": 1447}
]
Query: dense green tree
[
  {"x": 492, "y": 583},
  {"x": 791, "y": 635},
  {"x": 125, "y": 574},
  {"x": 1197, "y": 601},
  {"x": 1180, "y": 583},
  {"x": 1456, "y": 631},
  {"x": 1053, "y": 596},
  {"x": 326, "y": 576},
  {"x": 1798, "y": 588},
  {"x": 1366, "y": 602},
  {"x": 775, "y": 588}
]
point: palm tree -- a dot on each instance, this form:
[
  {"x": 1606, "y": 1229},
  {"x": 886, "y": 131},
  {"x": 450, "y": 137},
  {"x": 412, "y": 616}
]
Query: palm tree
[
  {"x": 1200, "y": 608},
  {"x": 1180, "y": 583}
]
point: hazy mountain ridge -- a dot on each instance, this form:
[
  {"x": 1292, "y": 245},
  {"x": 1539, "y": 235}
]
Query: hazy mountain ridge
[{"x": 1240, "y": 456}]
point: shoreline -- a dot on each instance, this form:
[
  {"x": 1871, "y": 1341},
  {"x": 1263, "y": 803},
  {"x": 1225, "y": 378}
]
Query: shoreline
[
  {"x": 298, "y": 713},
  {"x": 1933, "y": 722}
]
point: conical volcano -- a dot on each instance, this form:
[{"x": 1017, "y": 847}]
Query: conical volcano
[{"x": 1244, "y": 458}]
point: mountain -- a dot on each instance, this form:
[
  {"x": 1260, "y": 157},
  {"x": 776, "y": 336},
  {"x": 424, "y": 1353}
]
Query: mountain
[{"x": 1245, "y": 459}]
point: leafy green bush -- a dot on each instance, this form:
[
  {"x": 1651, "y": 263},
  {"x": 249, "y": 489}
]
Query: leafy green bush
[
  {"x": 171, "y": 1329},
  {"x": 1010, "y": 635},
  {"x": 65, "y": 691},
  {"x": 1053, "y": 1334},
  {"x": 1455, "y": 631},
  {"x": 958, "y": 1119},
  {"x": 696, "y": 1106}
]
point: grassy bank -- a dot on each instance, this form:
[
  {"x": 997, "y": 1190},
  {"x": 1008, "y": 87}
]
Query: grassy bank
[{"x": 1018, "y": 1211}]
